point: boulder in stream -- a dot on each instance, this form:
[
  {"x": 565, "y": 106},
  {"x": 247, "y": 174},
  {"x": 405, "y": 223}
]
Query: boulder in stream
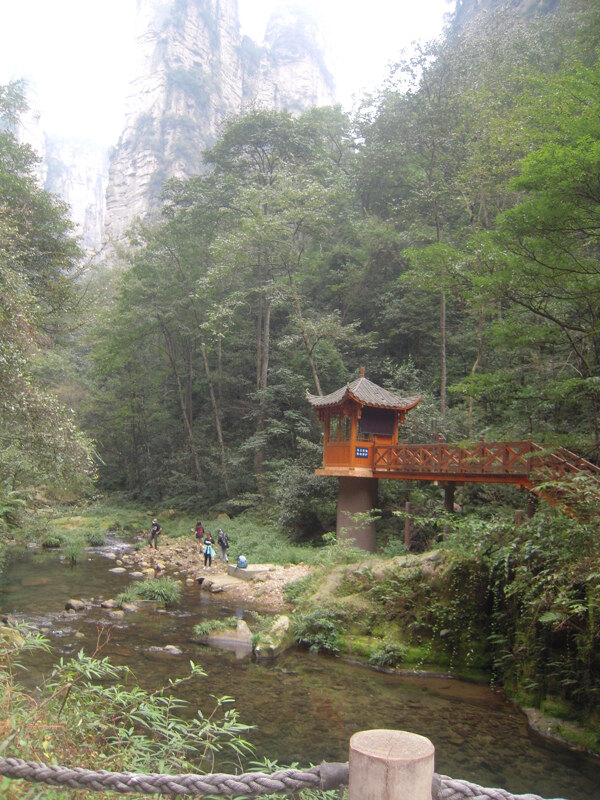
[
  {"x": 275, "y": 640},
  {"x": 75, "y": 605},
  {"x": 238, "y": 639}
]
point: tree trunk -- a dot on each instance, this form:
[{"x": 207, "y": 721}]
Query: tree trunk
[
  {"x": 181, "y": 395},
  {"x": 305, "y": 336},
  {"x": 262, "y": 372},
  {"x": 443, "y": 378},
  {"x": 217, "y": 415}
]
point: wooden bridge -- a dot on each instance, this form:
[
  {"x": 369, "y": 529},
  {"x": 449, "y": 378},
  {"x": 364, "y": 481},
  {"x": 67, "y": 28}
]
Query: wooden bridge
[
  {"x": 523, "y": 463},
  {"x": 361, "y": 443}
]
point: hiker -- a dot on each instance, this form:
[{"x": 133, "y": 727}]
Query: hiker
[
  {"x": 209, "y": 550},
  {"x": 155, "y": 532},
  {"x": 223, "y": 541},
  {"x": 199, "y": 529}
]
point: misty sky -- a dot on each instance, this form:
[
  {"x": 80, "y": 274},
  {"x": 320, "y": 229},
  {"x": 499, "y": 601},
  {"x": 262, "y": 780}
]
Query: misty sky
[{"x": 77, "y": 53}]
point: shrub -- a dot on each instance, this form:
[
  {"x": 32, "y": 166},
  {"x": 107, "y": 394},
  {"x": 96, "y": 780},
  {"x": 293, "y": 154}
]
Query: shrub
[
  {"x": 96, "y": 538},
  {"x": 388, "y": 655},
  {"x": 163, "y": 590},
  {"x": 119, "y": 725},
  {"x": 318, "y": 630},
  {"x": 53, "y": 541}
]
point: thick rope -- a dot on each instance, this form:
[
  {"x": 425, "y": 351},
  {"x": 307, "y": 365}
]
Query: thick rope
[
  {"x": 288, "y": 781},
  {"x": 445, "y": 788}
]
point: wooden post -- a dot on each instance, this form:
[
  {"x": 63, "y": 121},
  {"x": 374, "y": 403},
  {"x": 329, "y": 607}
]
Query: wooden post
[
  {"x": 532, "y": 504},
  {"x": 390, "y": 765},
  {"x": 407, "y": 525},
  {"x": 519, "y": 517}
]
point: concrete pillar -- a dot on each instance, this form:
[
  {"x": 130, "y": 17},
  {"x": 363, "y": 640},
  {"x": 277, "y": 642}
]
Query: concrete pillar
[
  {"x": 390, "y": 765},
  {"x": 357, "y": 496},
  {"x": 449, "y": 489}
]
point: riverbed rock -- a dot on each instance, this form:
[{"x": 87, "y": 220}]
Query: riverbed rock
[
  {"x": 238, "y": 639},
  {"x": 277, "y": 639},
  {"x": 116, "y": 613},
  {"x": 149, "y": 572},
  {"x": 112, "y": 556},
  {"x": 118, "y": 570},
  {"x": 136, "y": 574},
  {"x": 108, "y": 603},
  {"x": 173, "y": 650},
  {"x": 75, "y": 605},
  {"x": 130, "y": 607}
]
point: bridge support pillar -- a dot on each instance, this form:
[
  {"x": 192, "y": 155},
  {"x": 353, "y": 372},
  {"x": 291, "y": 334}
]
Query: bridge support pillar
[
  {"x": 357, "y": 497},
  {"x": 449, "y": 489}
]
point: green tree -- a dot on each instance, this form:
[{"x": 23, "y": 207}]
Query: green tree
[{"x": 39, "y": 261}]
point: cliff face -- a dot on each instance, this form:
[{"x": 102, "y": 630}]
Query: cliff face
[
  {"x": 289, "y": 71},
  {"x": 194, "y": 70},
  {"x": 78, "y": 172},
  {"x": 467, "y": 9}
]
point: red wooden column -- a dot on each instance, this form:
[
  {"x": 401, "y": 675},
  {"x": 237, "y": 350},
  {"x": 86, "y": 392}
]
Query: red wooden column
[{"x": 357, "y": 496}]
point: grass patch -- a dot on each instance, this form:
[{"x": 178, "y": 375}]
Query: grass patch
[
  {"x": 52, "y": 541},
  {"x": 203, "y": 629},
  {"x": 95, "y": 538},
  {"x": 293, "y": 591},
  {"x": 162, "y": 590}
]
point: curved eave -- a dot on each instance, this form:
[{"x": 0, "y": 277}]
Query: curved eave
[
  {"x": 319, "y": 402},
  {"x": 409, "y": 403}
]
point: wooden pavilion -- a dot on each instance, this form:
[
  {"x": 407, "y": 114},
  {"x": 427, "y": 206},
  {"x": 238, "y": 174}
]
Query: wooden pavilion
[
  {"x": 361, "y": 424},
  {"x": 357, "y": 419}
]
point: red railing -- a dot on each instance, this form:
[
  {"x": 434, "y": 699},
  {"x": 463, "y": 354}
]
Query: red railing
[{"x": 514, "y": 461}]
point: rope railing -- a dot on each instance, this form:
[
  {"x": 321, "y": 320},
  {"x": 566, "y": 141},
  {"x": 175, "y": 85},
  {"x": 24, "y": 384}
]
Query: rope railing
[{"x": 327, "y": 776}]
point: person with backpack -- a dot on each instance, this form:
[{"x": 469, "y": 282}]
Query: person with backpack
[
  {"x": 209, "y": 550},
  {"x": 223, "y": 542},
  {"x": 199, "y": 529},
  {"x": 155, "y": 532}
]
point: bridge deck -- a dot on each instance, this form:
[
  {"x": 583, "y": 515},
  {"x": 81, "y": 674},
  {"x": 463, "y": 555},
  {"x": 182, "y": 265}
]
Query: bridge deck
[{"x": 522, "y": 463}]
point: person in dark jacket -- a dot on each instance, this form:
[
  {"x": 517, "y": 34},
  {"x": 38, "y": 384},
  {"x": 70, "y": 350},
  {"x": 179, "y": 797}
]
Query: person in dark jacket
[
  {"x": 223, "y": 542},
  {"x": 155, "y": 532}
]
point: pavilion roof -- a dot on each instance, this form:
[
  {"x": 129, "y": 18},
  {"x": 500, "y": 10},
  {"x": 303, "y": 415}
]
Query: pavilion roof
[{"x": 366, "y": 393}]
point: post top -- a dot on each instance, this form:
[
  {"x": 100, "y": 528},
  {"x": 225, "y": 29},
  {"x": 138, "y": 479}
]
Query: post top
[{"x": 388, "y": 745}]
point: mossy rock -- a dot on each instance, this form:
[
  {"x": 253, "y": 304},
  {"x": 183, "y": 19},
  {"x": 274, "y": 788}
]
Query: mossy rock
[{"x": 278, "y": 638}]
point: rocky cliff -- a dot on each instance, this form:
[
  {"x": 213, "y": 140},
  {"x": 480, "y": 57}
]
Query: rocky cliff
[
  {"x": 78, "y": 172},
  {"x": 467, "y": 9},
  {"x": 194, "y": 70}
]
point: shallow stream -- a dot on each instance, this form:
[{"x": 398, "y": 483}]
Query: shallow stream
[{"x": 305, "y": 707}]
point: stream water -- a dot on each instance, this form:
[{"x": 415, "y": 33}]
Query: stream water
[{"x": 305, "y": 707}]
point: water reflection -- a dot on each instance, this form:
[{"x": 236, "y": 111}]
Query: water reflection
[{"x": 304, "y": 707}]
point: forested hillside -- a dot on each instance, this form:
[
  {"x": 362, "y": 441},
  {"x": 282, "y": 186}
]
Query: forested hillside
[{"x": 445, "y": 238}]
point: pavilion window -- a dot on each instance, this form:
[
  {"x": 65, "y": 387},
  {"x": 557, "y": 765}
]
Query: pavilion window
[
  {"x": 375, "y": 422},
  {"x": 339, "y": 429}
]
